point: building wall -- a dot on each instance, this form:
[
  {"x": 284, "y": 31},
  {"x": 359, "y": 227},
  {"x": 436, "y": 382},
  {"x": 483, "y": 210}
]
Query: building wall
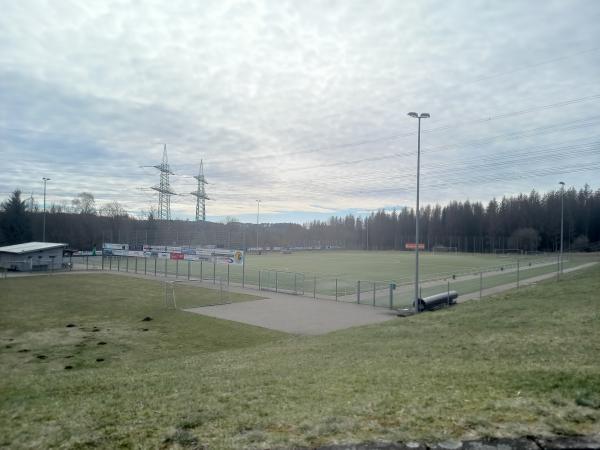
[{"x": 40, "y": 260}]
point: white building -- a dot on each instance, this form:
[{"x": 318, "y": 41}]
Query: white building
[{"x": 32, "y": 256}]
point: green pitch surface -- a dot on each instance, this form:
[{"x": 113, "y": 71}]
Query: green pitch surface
[
  {"x": 375, "y": 265},
  {"x": 524, "y": 363},
  {"x": 356, "y": 265}
]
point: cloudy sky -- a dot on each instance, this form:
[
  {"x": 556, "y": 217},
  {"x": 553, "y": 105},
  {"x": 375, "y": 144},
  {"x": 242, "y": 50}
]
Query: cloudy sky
[{"x": 302, "y": 104}]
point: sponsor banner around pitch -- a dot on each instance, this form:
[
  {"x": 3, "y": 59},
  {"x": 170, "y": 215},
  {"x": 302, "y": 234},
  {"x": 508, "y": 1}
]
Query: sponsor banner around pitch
[
  {"x": 413, "y": 246},
  {"x": 211, "y": 255},
  {"x": 115, "y": 249}
]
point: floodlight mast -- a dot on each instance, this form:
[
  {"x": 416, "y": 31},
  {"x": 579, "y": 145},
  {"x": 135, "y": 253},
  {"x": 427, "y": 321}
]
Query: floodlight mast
[
  {"x": 562, "y": 211},
  {"x": 45, "y": 179},
  {"x": 257, "y": 224},
  {"x": 414, "y": 115}
]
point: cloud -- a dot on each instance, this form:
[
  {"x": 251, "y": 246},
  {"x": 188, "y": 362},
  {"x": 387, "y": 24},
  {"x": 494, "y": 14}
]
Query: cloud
[{"x": 297, "y": 103}]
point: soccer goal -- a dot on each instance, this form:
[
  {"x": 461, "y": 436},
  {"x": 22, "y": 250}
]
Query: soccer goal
[
  {"x": 439, "y": 249},
  {"x": 507, "y": 252},
  {"x": 180, "y": 294}
]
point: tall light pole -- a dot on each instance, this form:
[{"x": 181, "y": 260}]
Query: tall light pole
[
  {"x": 562, "y": 215},
  {"x": 44, "y": 219},
  {"x": 419, "y": 117},
  {"x": 257, "y": 222}
]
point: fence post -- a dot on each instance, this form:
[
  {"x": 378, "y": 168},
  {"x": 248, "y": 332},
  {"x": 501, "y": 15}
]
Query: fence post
[
  {"x": 118, "y": 264},
  {"x": 374, "y": 286},
  {"x": 315, "y": 288},
  {"x": 358, "y": 292},
  {"x": 176, "y": 268},
  {"x": 127, "y": 264},
  {"x": 166, "y": 261},
  {"x": 200, "y": 270},
  {"x": 86, "y": 262},
  {"x": 228, "y": 274},
  {"x": 136, "y": 259},
  {"x": 214, "y": 272},
  {"x": 480, "y": 285},
  {"x": 518, "y": 274},
  {"x": 276, "y": 284},
  {"x": 189, "y": 268},
  {"x": 102, "y": 262},
  {"x": 145, "y": 265},
  {"x": 336, "y": 290},
  {"x": 155, "y": 266},
  {"x": 110, "y": 263}
]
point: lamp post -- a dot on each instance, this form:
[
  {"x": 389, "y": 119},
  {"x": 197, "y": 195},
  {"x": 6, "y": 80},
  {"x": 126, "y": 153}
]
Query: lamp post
[
  {"x": 44, "y": 217},
  {"x": 419, "y": 117},
  {"x": 562, "y": 214},
  {"x": 257, "y": 222}
]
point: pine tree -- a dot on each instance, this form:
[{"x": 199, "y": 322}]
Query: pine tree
[{"x": 15, "y": 225}]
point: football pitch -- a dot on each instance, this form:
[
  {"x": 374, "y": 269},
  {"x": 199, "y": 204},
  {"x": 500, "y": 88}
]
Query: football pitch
[{"x": 395, "y": 266}]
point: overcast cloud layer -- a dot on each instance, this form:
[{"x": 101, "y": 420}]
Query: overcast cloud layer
[{"x": 300, "y": 104}]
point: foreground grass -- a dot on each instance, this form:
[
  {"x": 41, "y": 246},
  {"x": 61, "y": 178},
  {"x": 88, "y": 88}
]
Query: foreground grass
[{"x": 521, "y": 363}]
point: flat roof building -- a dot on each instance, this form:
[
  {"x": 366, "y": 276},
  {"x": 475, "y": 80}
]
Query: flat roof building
[{"x": 31, "y": 256}]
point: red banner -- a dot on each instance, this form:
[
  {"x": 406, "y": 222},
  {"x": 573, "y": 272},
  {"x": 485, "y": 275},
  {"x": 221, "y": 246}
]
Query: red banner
[
  {"x": 175, "y": 255},
  {"x": 412, "y": 246}
]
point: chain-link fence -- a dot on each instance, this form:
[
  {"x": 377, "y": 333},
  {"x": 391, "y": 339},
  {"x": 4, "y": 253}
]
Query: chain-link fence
[{"x": 385, "y": 293}]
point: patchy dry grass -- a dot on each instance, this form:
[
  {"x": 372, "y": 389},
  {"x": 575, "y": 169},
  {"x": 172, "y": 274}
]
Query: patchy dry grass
[{"x": 521, "y": 363}]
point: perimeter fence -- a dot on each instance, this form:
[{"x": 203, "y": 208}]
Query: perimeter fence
[{"x": 399, "y": 293}]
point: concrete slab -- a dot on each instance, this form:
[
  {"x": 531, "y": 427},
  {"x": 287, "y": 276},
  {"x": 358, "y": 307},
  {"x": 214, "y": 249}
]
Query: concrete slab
[{"x": 298, "y": 315}]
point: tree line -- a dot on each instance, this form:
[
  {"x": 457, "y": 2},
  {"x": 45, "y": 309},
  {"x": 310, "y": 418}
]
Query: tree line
[{"x": 528, "y": 222}]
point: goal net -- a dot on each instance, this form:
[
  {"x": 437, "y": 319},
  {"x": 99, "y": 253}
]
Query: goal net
[
  {"x": 444, "y": 249},
  {"x": 507, "y": 252},
  {"x": 180, "y": 294}
]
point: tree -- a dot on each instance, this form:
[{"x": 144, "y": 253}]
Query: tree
[
  {"x": 15, "y": 225},
  {"x": 113, "y": 209},
  {"x": 525, "y": 239},
  {"x": 84, "y": 203},
  {"x": 581, "y": 243}
]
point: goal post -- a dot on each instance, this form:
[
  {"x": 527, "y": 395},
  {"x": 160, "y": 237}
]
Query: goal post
[
  {"x": 181, "y": 294},
  {"x": 507, "y": 252},
  {"x": 440, "y": 249}
]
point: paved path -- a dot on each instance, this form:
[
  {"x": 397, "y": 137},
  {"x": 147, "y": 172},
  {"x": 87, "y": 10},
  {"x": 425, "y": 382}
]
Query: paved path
[
  {"x": 522, "y": 283},
  {"x": 298, "y": 315}
]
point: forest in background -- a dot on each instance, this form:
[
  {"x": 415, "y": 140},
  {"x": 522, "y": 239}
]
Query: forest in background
[{"x": 530, "y": 222}]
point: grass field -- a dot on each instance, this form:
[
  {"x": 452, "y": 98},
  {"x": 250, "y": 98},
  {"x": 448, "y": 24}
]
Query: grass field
[
  {"x": 516, "y": 364},
  {"x": 357, "y": 265}
]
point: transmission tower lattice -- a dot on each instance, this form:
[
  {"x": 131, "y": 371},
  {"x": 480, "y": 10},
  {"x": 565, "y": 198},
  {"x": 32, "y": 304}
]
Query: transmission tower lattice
[
  {"x": 200, "y": 194},
  {"x": 164, "y": 188}
]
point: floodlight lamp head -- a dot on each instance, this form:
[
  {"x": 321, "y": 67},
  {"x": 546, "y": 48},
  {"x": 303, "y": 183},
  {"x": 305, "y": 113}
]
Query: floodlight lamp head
[
  {"x": 561, "y": 183},
  {"x": 413, "y": 114},
  {"x": 425, "y": 116}
]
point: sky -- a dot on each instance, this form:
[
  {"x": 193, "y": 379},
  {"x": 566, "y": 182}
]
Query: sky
[{"x": 302, "y": 105}]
